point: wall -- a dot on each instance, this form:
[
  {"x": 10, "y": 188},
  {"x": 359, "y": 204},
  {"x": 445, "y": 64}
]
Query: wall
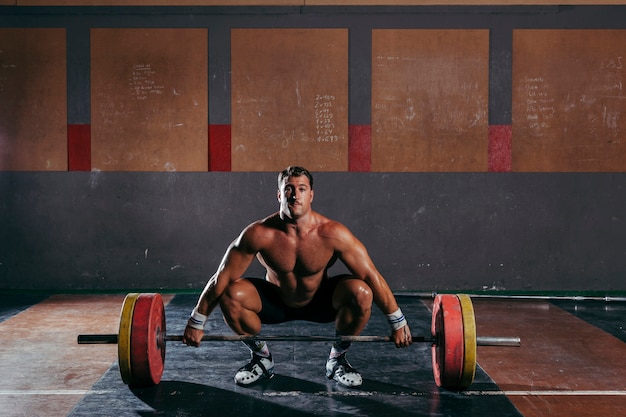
[
  {"x": 427, "y": 231},
  {"x": 470, "y": 147}
]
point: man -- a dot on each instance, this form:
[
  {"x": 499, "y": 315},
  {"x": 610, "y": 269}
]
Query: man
[{"x": 297, "y": 245}]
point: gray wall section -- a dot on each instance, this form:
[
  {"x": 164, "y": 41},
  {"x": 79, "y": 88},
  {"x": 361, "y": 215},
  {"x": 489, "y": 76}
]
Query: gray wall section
[{"x": 451, "y": 231}]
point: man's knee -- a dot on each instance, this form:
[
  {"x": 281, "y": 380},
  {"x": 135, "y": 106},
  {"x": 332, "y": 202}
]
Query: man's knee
[
  {"x": 354, "y": 293},
  {"x": 364, "y": 296},
  {"x": 239, "y": 295},
  {"x": 240, "y": 303}
]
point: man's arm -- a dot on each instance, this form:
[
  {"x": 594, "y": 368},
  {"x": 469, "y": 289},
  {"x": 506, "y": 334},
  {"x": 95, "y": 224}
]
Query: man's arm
[
  {"x": 354, "y": 255},
  {"x": 236, "y": 260}
]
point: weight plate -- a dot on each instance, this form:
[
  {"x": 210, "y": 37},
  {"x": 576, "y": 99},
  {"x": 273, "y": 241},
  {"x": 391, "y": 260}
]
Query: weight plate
[
  {"x": 124, "y": 336},
  {"x": 447, "y": 330},
  {"x": 469, "y": 346},
  {"x": 147, "y": 346},
  {"x": 438, "y": 347}
]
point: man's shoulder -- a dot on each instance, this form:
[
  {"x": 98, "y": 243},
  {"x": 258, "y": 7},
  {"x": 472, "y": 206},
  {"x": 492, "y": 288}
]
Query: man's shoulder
[
  {"x": 270, "y": 222},
  {"x": 332, "y": 228},
  {"x": 257, "y": 234}
]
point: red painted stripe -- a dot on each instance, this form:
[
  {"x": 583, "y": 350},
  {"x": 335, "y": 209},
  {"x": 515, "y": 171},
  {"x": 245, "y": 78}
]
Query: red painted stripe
[
  {"x": 499, "y": 152},
  {"x": 79, "y": 147},
  {"x": 219, "y": 148},
  {"x": 360, "y": 148}
]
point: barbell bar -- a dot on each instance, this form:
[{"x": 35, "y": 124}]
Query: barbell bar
[
  {"x": 142, "y": 336},
  {"x": 111, "y": 339},
  {"x": 529, "y": 297}
]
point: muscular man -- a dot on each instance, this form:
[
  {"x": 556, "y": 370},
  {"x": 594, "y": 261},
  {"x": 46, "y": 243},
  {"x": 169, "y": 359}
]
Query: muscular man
[{"x": 297, "y": 245}]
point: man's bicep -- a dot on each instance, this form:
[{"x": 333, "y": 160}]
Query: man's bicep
[
  {"x": 237, "y": 260},
  {"x": 354, "y": 255}
]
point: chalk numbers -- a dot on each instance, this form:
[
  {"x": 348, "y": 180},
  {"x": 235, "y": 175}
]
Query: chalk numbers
[{"x": 325, "y": 118}]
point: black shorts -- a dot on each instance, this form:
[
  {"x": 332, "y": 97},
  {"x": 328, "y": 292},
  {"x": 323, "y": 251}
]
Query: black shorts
[{"x": 274, "y": 310}]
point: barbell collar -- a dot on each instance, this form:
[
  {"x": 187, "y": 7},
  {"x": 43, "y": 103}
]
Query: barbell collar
[{"x": 498, "y": 341}]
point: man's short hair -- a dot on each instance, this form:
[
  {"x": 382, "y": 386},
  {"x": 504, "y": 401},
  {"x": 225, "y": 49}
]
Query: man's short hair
[{"x": 294, "y": 171}]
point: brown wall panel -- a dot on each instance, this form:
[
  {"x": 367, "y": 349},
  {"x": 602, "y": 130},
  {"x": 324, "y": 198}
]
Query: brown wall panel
[
  {"x": 289, "y": 99},
  {"x": 569, "y": 103},
  {"x": 33, "y": 100},
  {"x": 156, "y": 2},
  {"x": 149, "y": 99},
  {"x": 430, "y": 100}
]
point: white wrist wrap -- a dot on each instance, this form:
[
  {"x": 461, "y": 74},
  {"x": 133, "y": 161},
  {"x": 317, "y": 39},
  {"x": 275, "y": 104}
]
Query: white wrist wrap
[
  {"x": 396, "y": 320},
  {"x": 197, "y": 320}
]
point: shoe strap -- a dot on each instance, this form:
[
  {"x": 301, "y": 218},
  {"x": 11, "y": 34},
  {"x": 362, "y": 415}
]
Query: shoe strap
[
  {"x": 256, "y": 360},
  {"x": 347, "y": 368}
]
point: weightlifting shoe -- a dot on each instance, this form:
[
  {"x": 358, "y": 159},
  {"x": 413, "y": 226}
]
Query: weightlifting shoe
[
  {"x": 341, "y": 371},
  {"x": 258, "y": 368}
]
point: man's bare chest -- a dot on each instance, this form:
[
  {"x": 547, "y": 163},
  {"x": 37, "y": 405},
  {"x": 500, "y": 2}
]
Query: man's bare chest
[{"x": 300, "y": 256}]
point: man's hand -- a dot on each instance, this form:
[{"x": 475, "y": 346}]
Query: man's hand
[
  {"x": 402, "y": 337},
  {"x": 192, "y": 337}
]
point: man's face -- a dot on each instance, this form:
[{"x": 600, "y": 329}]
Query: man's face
[{"x": 295, "y": 196}]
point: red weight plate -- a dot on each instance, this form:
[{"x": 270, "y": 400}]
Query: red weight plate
[
  {"x": 447, "y": 352},
  {"x": 147, "y": 340},
  {"x": 438, "y": 348}
]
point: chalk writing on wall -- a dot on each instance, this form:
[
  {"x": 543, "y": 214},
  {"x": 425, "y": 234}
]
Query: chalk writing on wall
[
  {"x": 325, "y": 118},
  {"x": 569, "y": 107},
  {"x": 142, "y": 82},
  {"x": 429, "y": 100},
  {"x": 33, "y": 99},
  {"x": 539, "y": 105},
  {"x": 6, "y": 69},
  {"x": 289, "y": 99},
  {"x": 149, "y": 99}
]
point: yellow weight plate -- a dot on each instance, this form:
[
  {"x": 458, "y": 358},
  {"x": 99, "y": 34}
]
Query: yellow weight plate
[
  {"x": 123, "y": 337},
  {"x": 469, "y": 335}
]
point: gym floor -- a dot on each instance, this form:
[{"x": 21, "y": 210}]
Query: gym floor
[{"x": 572, "y": 362}]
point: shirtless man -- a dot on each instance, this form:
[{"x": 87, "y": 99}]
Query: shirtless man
[{"x": 297, "y": 245}]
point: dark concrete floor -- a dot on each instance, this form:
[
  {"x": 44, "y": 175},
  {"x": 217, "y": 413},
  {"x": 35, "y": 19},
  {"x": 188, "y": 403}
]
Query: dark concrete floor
[{"x": 570, "y": 363}]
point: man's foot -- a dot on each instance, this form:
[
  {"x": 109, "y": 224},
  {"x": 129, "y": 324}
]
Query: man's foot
[
  {"x": 340, "y": 370},
  {"x": 258, "y": 368}
]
